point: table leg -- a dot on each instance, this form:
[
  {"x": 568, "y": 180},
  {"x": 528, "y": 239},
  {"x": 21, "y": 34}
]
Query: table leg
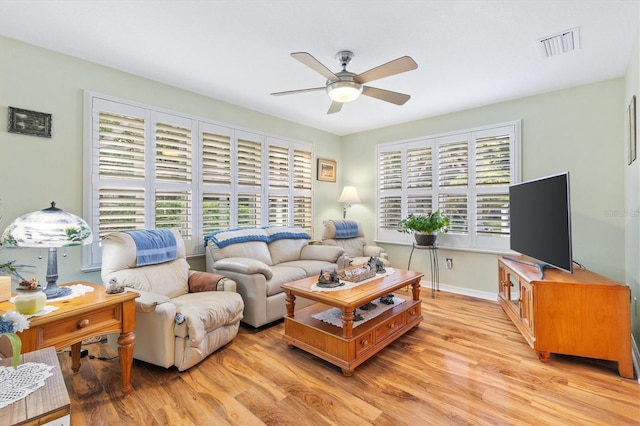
[
  {"x": 347, "y": 323},
  {"x": 75, "y": 356},
  {"x": 291, "y": 303},
  {"x": 415, "y": 289},
  {"x": 125, "y": 350}
]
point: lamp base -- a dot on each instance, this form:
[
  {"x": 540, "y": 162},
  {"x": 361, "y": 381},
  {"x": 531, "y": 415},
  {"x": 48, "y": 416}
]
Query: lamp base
[{"x": 55, "y": 292}]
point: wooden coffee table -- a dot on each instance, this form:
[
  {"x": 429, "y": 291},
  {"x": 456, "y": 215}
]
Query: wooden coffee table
[{"x": 349, "y": 346}]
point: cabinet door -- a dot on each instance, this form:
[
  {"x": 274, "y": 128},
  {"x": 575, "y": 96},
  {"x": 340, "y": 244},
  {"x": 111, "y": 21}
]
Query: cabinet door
[{"x": 526, "y": 305}]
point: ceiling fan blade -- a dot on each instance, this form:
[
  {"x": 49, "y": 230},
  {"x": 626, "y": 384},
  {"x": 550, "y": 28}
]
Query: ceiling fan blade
[
  {"x": 335, "y": 107},
  {"x": 394, "y": 67},
  {"x": 315, "y": 65},
  {"x": 293, "y": 92},
  {"x": 386, "y": 95}
]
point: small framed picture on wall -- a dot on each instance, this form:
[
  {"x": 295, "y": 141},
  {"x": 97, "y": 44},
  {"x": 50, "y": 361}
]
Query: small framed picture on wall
[
  {"x": 28, "y": 122},
  {"x": 327, "y": 170}
]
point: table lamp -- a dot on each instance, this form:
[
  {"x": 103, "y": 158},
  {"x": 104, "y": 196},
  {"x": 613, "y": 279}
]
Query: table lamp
[
  {"x": 349, "y": 195},
  {"x": 50, "y": 228}
]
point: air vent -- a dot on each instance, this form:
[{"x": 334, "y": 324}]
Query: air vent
[{"x": 560, "y": 43}]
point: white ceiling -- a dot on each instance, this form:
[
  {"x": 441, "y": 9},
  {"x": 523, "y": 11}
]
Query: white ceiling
[{"x": 469, "y": 52}]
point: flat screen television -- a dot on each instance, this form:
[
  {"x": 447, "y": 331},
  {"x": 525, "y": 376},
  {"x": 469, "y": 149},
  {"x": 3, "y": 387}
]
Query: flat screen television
[{"x": 540, "y": 221}]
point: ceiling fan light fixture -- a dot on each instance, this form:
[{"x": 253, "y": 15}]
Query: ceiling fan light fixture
[{"x": 344, "y": 91}]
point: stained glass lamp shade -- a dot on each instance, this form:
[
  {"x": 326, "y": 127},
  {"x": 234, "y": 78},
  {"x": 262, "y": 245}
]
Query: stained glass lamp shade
[{"x": 50, "y": 228}]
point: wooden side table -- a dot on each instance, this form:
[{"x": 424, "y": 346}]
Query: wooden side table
[
  {"x": 47, "y": 403},
  {"x": 94, "y": 314}
]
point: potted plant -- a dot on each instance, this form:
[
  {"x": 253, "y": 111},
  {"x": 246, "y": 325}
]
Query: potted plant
[{"x": 426, "y": 227}]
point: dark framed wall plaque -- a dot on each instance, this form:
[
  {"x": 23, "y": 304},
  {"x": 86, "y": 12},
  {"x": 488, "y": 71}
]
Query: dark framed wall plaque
[{"x": 28, "y": 122}]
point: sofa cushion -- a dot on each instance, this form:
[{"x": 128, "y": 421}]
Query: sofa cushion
[
  {"x": 253, "y": 249},
  {"x": 283, "y": 274},
  {"x": 311, "y": 267},
  {"x": 286, "y": 250}
]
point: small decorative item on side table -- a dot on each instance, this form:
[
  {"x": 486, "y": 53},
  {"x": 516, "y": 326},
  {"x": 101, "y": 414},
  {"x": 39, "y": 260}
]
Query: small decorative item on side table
[
  {"x": 114, "y": 287},
  {"x": 30, "y": 299}
]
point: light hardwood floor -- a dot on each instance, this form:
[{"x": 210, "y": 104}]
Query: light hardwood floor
[{"x": 465, "y": 364}]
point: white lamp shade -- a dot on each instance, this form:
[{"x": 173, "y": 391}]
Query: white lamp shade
[
  {"x": 349, "y": 195},
  {"x": 344, "y": 91},
  {"x": 50, "y": 227}
]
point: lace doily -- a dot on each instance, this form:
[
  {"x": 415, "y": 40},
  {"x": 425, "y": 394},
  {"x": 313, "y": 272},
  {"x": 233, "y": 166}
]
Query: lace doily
[
  {"x": 334, "y": 315},
  {"x": 18, "y": 383},
  {"x": 347, "y": 284}
]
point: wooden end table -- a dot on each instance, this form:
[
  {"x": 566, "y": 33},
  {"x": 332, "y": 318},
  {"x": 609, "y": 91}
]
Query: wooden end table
[
  {"x": 94, "y": 314},
  {"x": 47, "y": 403},
  {"x": 346, "y": 346}
]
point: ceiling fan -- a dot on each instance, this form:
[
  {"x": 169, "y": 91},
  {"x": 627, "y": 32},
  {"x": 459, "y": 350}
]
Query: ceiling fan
[{"x": 345, "y": 86}]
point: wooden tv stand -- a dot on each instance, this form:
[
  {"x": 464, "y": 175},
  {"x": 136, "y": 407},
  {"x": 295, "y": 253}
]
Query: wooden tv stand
[{"x": 582, "y": 314}]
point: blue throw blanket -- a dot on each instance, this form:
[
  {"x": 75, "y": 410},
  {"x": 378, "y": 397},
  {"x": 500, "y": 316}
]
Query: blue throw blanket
[
  {"x": 154, "y": 246},
  {"x": 346, "y": 228}
]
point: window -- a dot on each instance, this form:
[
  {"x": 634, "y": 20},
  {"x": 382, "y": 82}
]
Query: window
[
  {"x": 466, "y": 175},
  {"x": 149, "y": 168}
]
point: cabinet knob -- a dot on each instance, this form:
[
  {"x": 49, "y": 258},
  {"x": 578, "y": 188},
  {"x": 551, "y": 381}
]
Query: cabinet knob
[
  {"x": 364, "y": 342},
  {"x": 83, "y": 323}
]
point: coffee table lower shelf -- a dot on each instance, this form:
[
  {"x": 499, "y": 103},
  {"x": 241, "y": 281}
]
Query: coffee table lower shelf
[{"x": 326, "y": 341}]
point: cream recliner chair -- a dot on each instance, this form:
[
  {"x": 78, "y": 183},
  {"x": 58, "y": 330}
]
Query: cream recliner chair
[
  {"x": 182, "y": 316},
  {"x": 349, "y": 235}
]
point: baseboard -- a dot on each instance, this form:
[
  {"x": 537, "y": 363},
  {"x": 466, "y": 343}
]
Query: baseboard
[{"x": 426, "y": 286}]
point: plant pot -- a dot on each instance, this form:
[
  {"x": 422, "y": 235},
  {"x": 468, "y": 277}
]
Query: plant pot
[{"x": 423, "y": 239}]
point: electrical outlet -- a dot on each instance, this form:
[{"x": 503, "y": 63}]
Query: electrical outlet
[{"x": 449, "y": 263}]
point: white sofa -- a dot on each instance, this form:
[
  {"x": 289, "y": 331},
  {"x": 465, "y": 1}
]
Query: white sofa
[
  {"x": 182, "y": 316},
  {"x": 349, "y": 235},
  {"x": 260, "y": 260}
]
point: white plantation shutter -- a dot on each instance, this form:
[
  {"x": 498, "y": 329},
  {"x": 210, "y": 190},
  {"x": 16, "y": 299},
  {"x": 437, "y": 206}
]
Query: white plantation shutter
[
  {"x": 278, "y": 209},
  {"x": 278, "y": 167},
  {"x": 249, "y": 163},
  {"x": 216, "y": 158},
  {"x": 302, "y": 169},
  {"x": 120, "y": 209},
  {"x": 147, "y": 168},
  {"x": 279, "y": 182},
  {"x": 453, "y": 164},
  {"x": 216, "y": 212},
  {"x": 302, "y": 185},
  {"x": 121, "y": 151},
  {"x": 417, "y": 204},
  {"x": 466, "y": 175},
  {"x": 217, "y": 172},
  {"x": 493, "y": 160},
  {"x": 455, "y": 207},
  {"x": 173, "y": 153},
  {"x": 174, "y": 210},
  {"x": 389, "y": 203},
  {"x": 249, "y": 210},
  {"x": 302, "y": 212},
  {"x": 249, "y": 175},
  {"x": 492, "y": 214},
  {"x": 419, "y": 168}
]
